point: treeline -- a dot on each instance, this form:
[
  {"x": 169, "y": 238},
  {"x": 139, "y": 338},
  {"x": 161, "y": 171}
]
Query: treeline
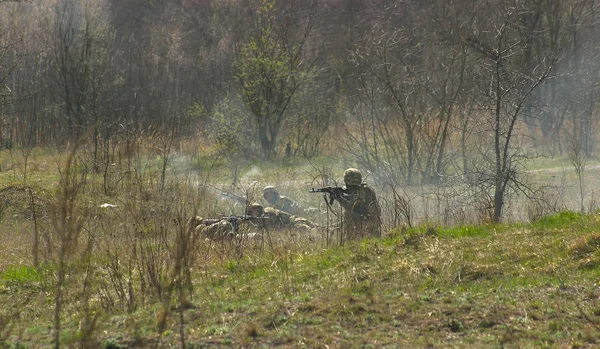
[{"x": 417, "y": 89}]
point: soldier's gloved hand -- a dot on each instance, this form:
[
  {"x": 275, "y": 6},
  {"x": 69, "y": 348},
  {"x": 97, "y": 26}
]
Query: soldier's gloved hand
[{"x": 331, "y": 198}]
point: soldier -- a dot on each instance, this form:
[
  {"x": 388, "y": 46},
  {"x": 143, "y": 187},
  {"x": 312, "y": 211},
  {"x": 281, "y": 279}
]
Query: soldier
[
  {"x": 219, "y": 230},
  {"x": 283, "y": 203},
  {"x": 255, "y": 210},
  {"x": 277, "y": 219},
  {"x": 362, "y": 214}
]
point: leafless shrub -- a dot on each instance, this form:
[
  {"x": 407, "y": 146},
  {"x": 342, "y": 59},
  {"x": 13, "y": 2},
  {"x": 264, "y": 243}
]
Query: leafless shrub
[
  {"x": 592, "y": 203},
  {"x": 325, "y": 177},
  {"x": 68, "y": 216},
  {"x": 36, "y": 235},
  {"x": 402, "y": 209},
  {"x": 89, "y": 319},
  {"x": 484, "y": 207},
  {"x": 578, "y": 158},
  {"x": 182, "y": 255},
  {"x": 543, "y": 202},
  {"x": 116, "y": 287}
]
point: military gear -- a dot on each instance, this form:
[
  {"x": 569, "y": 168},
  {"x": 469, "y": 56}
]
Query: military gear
[
  {"x": 270, "y": 193},
  {"x": 334, "y": 192},
  {"x": 278, "y": 219},
  {"x": 362, "y": 214},
  {"x": 220, "y": 230},
  {"x": 283, "y": 203},
  {"x": 243, "y": 200},
  {"x": 352, "y": 177},
  {"x": 255, "y": 206}
]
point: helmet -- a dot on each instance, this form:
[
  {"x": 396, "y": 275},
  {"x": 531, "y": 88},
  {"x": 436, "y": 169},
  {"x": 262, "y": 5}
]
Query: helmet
[
  {"x": 269, "y": 189},
  {"x": 352, "y": 176},
  {"x": 270, "y": 192},
  {"x": 255, "y": 206},
  {"x": 196, "y": 221}
]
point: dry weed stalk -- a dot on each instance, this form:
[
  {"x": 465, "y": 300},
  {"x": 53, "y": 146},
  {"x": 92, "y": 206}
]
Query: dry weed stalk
[
  {"x": 182, "y": 258},
  {"x": 36, "y": 235},
  {"x": 6, "y": 328},
  {"x": 402, "y": 208},
  {"x": 68, "y": 218}
]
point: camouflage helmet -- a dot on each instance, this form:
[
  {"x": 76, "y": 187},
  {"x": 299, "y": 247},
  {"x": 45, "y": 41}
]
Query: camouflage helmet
[
  {"x": 196, "y": 221},
  {"x": 352, "y": 176},
  {"x": 270, "y": 194},
  {"x": 255, "y": 206},
  {"x": 270, "y": 190}
]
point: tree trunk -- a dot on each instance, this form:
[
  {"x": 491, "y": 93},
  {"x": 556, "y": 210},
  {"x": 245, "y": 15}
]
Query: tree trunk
[
  {"x": 265, "y": 143},
  {"x": 498, "y": 202}
]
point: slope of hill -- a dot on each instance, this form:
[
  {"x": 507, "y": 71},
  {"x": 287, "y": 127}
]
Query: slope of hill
[{"x": 527, "y": 285}]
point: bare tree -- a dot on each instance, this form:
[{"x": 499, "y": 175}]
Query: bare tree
[
  {"x": 9, "y": 41},
  {"x": 390, "y": 108},
  {"x": 80, "y": 58},
  {"x": 578, "y": 159},
  {"x": 505, "y": 90},
  {"x": 411, "y": 79}
]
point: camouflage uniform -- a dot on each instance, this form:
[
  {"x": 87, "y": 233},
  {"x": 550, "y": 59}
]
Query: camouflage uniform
[
  {"x": 283, "y": 203},
  {"x": 217, "y": 231},
  {"x": 277, "y": 219},
  {"x": 362, "y": 214}
]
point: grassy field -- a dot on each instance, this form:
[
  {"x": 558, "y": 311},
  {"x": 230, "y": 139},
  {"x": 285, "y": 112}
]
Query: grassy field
[
  {"x": 526, "y": 286},
  {"x": 136, "y": 275}
]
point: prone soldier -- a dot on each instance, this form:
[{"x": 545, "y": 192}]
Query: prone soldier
[
  {"x": 283, "y": 203},
  {"x": 219, "y": 228},
  {"x": 278, "y": 219},
  {"x": 227, "y": 227}
]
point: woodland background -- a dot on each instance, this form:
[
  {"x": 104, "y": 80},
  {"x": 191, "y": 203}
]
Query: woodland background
[{"x": 411, "y": 92}]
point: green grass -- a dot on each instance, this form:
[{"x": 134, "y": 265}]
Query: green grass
[
  {"x": 471, "y": 231},
  {"x": 544, "y": 162},
  {"x": 560, "y": 220},
  {"x": 491, "y": 286},
  {"x": 524, "y": 285},
  {"x": 351, "y": 295},
  {"x": 19, "y": 276}
]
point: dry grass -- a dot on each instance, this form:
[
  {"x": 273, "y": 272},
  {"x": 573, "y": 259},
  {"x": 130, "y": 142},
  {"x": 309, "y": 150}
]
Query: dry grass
[
  {"x": 137, "y": 277},
  {"x": 513, "y": 288},
  {"x": 585, "y": 245}
]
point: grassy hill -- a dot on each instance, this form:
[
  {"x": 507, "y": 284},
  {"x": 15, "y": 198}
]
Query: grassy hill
[
  {"x": 527, "y": 285},
  {"x": 133, "y": 273}
]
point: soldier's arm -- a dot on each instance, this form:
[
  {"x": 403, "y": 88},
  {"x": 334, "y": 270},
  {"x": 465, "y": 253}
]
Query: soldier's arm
[
  {"x": 290, "y": 206},
  {"x": 218, "y": 229},
  {"x": 348, "y": 202},
  {"x": 372, "y": 204}
]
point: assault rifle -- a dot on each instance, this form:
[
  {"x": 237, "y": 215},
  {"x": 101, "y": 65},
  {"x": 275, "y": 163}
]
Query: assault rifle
[{"x": 334, "y": 192}]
